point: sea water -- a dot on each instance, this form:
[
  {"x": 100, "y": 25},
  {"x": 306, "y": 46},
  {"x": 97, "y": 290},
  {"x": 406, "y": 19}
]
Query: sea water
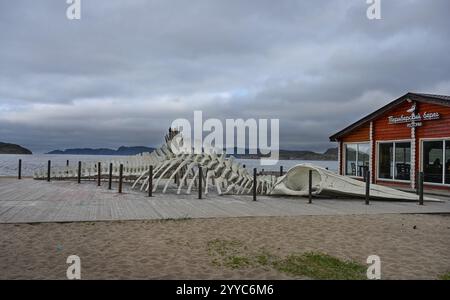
[{"x": 31, "y": 163}]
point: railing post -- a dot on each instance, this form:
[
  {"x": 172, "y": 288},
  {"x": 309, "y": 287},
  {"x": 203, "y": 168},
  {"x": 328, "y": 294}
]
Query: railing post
[
  {"x": 200, "y": 182},
  {"x": 281, "y": 171},
  {"x": 99, "y": 173},
  {"x": 79, "y": 172},
  {"x": 49, "y": 168},
  {"x": 110, "y": 176},
  {"x": 254, "y": 183},
  {"x": 150, "y": 182},
  {"x": 421, "y": 179},
  {"x": 367, "y": 187},
  {"x": 120, "y": 178},
  {"x": 417, "y": 182},
  {"x": 310, "y": 187},
  {"x": 19, "y": 175}
]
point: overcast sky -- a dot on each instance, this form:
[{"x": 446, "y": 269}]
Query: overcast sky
[{"x": 127, "y": 69}]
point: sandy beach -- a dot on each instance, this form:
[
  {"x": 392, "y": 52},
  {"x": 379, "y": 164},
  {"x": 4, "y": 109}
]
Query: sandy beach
[{"x": 410, "y": 246}]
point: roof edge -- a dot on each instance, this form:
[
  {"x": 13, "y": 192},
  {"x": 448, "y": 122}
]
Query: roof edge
[{"x": 428, "y": 98}]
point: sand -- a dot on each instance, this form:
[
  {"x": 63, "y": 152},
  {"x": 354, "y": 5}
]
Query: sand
[{"x": 179, "y": 249}]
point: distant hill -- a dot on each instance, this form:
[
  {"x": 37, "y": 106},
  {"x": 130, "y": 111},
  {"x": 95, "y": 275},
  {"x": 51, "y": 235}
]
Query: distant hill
[
  {"x": 6, "y": 148},
  {"x": 104, "y": 151},
  {"x": 330, "y": 154}
]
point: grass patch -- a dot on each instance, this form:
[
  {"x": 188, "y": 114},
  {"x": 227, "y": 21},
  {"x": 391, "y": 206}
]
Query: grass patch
[
  {"x": 265, "y": 259},
  {"x": 219, "y": 247},
  {"x": 180, "y": 219},
  {"x": 229, "y": 253},
  {"x": 235, "y": 255},
  {"x": 321, "y": 266},
  {"x": 445, "y": 276},
  {"x": 237, "y": 262}
]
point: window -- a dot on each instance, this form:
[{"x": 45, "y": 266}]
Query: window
[
  {"x": 350, "y": 158},
  {"x": 356, "y": 159},
  {"x": 436, "y": 161},
  {"x": 363, "y": 158},
  {"x": 447, "y": 162},
  {"x": 385, "y": 160},
  {"x": 394, "y": 161},
  {"x": 402, "y": 161}
]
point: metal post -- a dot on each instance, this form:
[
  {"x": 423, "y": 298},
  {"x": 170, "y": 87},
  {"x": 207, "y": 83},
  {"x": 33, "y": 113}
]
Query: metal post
[
  {"x": 281, "y": 170},
  {"x": 367, "y": 187},
  {"x": 120, "y": 178},
  {"x": 417, "y": 182},
  {"x": 421, "y": 178},
  {"x": 99, "y": 173},
  {"x": 49, "y": 167},
  {"x": 200, "y": 182},
  {"x": 310, "y": 187},
  {"x": 150, "y": 182},
  {"x": 79, "y": 172},
  {"x": 254, "y": 184},
  {"x": 19, "y": 176},
  {"x": 110, "y": 176},
  {"x": 67, "y": 163}
]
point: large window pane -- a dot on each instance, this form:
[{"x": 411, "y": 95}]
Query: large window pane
[
  {"x": 350, "y": 158},
  {"x": 432, "y": 161},
  {"x": 402, "y": 161},
  {"x": 356, "y": 159},
  {"x": 363, "y": 158},
  {"x": 385, "y": 160},
  {"x": 447, "y": 162}
]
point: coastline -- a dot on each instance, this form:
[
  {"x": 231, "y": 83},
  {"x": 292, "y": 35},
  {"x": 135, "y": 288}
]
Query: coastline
[{"x": 31, "y": 163}]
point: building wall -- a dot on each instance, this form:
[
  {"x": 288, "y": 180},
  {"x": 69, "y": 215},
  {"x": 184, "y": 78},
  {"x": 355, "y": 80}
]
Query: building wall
[
  {"x": 383, "y": 131},
  {"x": 360, "y": 134},
  {"x": 432, "y": 129}
]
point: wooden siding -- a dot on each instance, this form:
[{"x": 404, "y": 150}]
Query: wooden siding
[
  {"x": 385, "y": 131},
  {"x": 360, "y": 134},
  {"x": 436, "y": 128}
]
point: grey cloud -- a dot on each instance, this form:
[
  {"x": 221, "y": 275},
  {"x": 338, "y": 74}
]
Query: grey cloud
[{"x": 127, "y": 69}]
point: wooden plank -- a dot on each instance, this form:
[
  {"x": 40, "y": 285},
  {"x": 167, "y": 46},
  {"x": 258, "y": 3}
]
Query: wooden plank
[{"x": 40, "y": 201}]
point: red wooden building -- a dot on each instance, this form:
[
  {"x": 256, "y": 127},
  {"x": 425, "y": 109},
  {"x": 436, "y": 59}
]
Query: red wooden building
[{"x": 409, "y": 135}]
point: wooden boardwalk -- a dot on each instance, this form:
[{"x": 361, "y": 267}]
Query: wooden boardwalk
[{"x": 28, "y": 201}]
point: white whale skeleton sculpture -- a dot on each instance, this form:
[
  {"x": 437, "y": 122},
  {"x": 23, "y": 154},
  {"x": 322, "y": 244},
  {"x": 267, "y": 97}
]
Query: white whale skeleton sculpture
[{"x": 225, "y": 174}]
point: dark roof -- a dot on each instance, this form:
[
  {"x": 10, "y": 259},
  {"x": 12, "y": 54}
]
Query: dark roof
[{"x": 427, "y": 98}]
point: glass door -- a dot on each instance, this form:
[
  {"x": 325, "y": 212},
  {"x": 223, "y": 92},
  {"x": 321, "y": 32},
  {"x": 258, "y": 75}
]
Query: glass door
[
  {"x": 436, "y": 161},
  {"x": 394, "y": 161}
]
